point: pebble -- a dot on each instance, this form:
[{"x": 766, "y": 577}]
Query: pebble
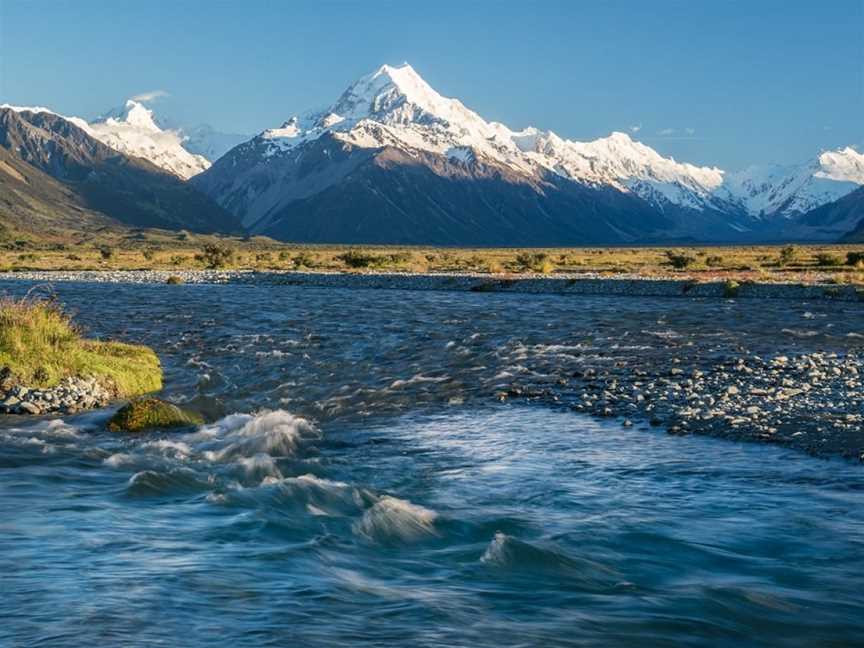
[
  {"x": 588, "y": 283},
  {"x": 71, "y": 395}
]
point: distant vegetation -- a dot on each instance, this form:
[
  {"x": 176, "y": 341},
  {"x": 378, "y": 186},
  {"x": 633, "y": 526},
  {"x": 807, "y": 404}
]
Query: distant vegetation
[
  {"x": 40, "y": 345},
  {"x": 680, "y": 260},
  {"x": 216, "y": 255},
  {"x": 155, "y": 249}
]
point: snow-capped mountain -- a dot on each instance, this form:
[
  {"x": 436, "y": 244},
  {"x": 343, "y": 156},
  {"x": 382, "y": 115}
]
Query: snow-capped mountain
[
  {"x": 133, "y": 130},
  {"x": 790, "y": 191},
  {"x": 397, "y": 119},
  {"x": 395, "y": 106},
  {"x": 206, "y": 141},
  {"x": 392, "y": 160},
  {"x": 58, "y": 177}
]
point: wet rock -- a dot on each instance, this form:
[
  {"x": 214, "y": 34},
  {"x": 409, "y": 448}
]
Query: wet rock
[
  {"x": 70, "y": 396},
  {"x": 29, "y": 408},
  {"x": 152, "y": 413}
]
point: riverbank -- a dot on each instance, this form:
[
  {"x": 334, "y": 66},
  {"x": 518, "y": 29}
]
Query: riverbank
[
  {"x": 47, "y": 366},
  {"x": 529, "y": 283}
]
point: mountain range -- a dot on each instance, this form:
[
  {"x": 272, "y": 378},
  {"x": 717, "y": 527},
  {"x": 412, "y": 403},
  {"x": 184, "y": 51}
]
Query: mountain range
[
  {"x": 393, "y": 161},
  {"x": 55, "y": 176}
]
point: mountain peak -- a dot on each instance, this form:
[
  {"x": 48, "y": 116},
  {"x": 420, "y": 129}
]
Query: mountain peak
[
  {"x": 404, "y": 77},
  {"x": 396, "y": 94},
  {"x": 137, "y": 114},
  {"x": 134, "y": 130}
]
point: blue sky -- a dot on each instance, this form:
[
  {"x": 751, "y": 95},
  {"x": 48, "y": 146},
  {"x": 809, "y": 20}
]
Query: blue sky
[{"x": 725, "y": 83}]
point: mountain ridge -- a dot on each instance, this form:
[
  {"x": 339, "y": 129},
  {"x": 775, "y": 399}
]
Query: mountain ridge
[
  {"x": 393, "y": 107},
  {"x": 56, "y": 163},
  {"x": 392, "y": 118}
]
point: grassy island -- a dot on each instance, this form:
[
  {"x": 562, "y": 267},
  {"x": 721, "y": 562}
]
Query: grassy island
[{"x": 40, "y": 346}]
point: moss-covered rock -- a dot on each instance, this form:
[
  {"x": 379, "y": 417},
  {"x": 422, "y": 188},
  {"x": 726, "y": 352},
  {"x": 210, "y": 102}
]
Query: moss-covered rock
[{"x": 152, "y": 413}]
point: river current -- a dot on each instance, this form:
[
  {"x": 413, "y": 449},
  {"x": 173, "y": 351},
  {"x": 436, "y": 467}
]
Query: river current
[{"x": 361, "y": 484}]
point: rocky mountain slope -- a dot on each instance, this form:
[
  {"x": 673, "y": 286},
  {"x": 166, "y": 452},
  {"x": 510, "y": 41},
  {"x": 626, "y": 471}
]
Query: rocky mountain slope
[
  {"x": 842, "y": 219},
  {"x": 790, "y": 191},
  {"x": 134, "y": 129},
  {"x": 54, "y": 173},
  {"x": 392, "y": 160}
]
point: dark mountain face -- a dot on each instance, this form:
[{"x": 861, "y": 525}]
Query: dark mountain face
[
  {"x": 88, "y": 177},
  {"x": 845, "y": 215},
  {"x": 388, "y": 197},
  {"x": 328, "y": 191},
  {"x": 34, "y": 202}
]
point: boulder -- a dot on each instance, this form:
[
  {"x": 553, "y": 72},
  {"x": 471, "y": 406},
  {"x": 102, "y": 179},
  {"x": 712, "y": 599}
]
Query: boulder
[{"x": 152, "y": 413}]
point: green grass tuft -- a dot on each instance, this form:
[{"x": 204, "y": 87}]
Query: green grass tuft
[{"x": 40, "y": 345}]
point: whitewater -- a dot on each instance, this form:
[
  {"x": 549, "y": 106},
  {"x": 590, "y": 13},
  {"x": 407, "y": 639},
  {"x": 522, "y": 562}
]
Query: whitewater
[{"x": 358, "y": 482}]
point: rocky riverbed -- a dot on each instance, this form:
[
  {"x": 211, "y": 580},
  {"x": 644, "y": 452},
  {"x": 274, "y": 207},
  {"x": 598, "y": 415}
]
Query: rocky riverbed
[
  {"x": 70, "y": 396},
  {"x": 783, "y": 372},
  {"x": 813, "y": 402},
  {"x": 560, "y": 284}
]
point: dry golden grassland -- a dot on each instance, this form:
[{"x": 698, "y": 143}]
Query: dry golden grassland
[{"x": 160, "y": 250}]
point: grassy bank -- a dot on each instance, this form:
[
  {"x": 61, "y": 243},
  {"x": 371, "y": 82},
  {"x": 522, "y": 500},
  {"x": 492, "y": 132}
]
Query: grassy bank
[
  {"x": 40, "y": 345},
  {"x": 160, "y": 250}
]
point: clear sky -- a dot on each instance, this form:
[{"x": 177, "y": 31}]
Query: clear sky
[{"x": 726, "y": 83}]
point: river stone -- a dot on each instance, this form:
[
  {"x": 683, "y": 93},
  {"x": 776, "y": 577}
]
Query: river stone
[
  {"x": 29, "y": 408},
  {"x": 152, "y": 413}
]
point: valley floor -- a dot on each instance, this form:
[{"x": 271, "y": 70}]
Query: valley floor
[{"x": 177, "y": 253}]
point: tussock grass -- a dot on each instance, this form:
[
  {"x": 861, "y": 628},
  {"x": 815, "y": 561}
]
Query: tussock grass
[
  {"x": 41, "y": 345},
  {"x": 148, "y": 249}
]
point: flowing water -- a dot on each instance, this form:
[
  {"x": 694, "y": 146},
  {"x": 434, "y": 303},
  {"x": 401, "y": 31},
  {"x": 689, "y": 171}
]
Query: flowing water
[{"x": 361, "y": 485}]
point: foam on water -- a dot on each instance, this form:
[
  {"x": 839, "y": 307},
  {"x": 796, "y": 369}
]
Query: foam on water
[
  {"x": 277, "y": 433},
  {"x": 396, "y": 519},
  {"x": 380, "y": 508}
]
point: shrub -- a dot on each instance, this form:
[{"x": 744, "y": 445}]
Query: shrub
[
  {"x": 148, "y": 254},
  {"x": 357, "y": 259},
  {"x": 304, "y": 260},
  {"x": 788, "y": 255},
  {"x": 354, "y": 258},
  {"x": 679, "y": 260},
  {"x": 106, "y": 252},
  {"x": 854, "y": 258},
  {"x": 828, "y": 259},
  {"x": 535, "y": 262},
  {"x": 714, "y": 261},
  {"x": 215, "y": 255}
]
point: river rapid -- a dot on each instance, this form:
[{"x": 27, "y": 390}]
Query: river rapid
[{"x": 361, "y": 482}]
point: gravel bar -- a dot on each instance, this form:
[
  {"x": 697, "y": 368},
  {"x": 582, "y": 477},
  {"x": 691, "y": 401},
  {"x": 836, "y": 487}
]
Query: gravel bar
[{"x": 563, "y": 284}]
